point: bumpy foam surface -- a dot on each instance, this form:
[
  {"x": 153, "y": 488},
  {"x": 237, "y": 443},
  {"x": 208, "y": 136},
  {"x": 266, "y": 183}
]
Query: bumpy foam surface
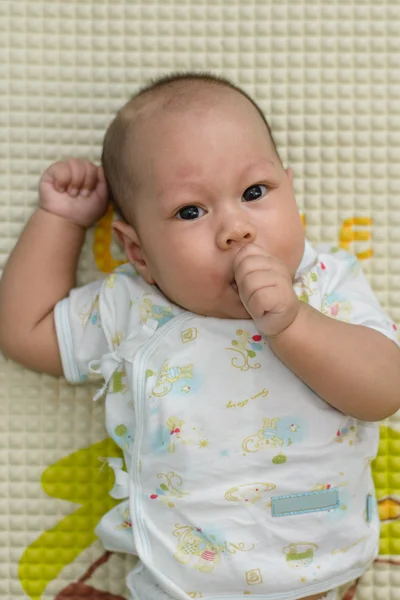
[{"x": 327, "y": 76}]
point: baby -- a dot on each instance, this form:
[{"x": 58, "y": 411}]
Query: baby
[{"x": 244, "y": 372}]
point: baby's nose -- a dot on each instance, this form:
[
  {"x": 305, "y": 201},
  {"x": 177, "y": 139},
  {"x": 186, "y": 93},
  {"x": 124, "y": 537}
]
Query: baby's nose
[{"x": 236, "y": 233}]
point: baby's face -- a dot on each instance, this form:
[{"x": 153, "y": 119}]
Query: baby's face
[{"x": 210, "y": 182}]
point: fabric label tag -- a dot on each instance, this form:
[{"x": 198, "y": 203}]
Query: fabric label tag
[{"x": 296, "y": 504}]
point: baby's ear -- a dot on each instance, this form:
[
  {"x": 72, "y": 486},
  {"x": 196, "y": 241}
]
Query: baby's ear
[{"x": 133, "y": 250}]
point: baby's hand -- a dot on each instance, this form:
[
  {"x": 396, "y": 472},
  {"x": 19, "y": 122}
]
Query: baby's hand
[
  {"x": 75, "y": 190},
  {"x": 265, "y": 289}
]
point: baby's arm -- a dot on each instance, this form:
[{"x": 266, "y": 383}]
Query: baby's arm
[
  {"x": 42, "y": 267},
  {"x": 352, "y": 367}
]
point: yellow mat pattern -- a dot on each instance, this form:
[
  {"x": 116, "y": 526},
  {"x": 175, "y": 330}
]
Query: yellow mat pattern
[{"x": 327, "y": 75}]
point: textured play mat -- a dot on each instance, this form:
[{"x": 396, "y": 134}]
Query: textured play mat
[{"x": 327, "y": 75}]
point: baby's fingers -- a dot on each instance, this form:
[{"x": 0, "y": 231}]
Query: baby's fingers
[
  {"x": 67, "y": 175},
  {"x": 91, "y": 179},
  {"x": 59, "y": 174},
  {"x": 248, "y": 252},
  {"x": 262, "y": 301},
  {"x": 251, "y": 263},
  {"x": 83, "y": 174}
]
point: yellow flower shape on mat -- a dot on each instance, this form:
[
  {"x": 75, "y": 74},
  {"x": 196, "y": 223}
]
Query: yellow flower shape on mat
[{"x": 78, "y": 478}]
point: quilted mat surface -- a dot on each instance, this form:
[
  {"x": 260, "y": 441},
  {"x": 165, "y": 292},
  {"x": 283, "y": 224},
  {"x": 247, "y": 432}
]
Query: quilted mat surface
[{"x": 327, "y": 75}]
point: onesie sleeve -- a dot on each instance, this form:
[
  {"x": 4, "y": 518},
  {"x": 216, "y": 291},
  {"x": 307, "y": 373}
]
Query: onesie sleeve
[
  {"x": 347, "y": 295},
  {"x": 80, "y": 335}
]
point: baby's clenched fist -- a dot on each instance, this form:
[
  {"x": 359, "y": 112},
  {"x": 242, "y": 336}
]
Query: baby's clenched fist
[
  {"x": 265, "y": 289},
  {"x": 75, "y": 190}
]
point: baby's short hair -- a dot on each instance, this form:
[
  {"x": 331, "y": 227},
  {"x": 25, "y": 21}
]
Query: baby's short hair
[{"x": 176, "y": 90}]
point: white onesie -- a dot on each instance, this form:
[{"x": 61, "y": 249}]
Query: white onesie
[{"x": 239, "y": 479}]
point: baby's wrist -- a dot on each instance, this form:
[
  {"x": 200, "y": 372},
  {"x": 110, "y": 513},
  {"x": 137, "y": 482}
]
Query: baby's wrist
[
  {"x": 294, "y": 330},
  {"x": 69, "y": 221}
]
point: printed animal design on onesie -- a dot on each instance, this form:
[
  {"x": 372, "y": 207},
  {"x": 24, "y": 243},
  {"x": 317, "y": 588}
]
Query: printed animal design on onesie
[
  {"x": 167, "y": 488},
  {"x": 268, "y": 437},
  {"x": 91, "y": 313},
  {"x": 195, "y": 594},
  {"x": 336, "y": 306},
  {"x": 247, "y": 346},
  {"x": 249, "y": 493},
  {"x": 122, "y": 436},
  {"x": 169, "y": 376},
  {"x": 201, "y": 551},
  {"x": 209, "y": 558},
  {"x": 306, "y": 285},
  {"x": 347, "y": 433},
  {"x": 300, "y": 555},
  {"x": 160, "y": 313}
]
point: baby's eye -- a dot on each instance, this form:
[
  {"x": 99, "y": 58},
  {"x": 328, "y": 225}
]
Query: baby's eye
[
  {"x": 190, "y": 213},
  {"x": 254, "y": 192}
]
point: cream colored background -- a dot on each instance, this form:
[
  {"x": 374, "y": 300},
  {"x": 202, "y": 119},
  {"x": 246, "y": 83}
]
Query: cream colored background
[{"x": 327, "y": 75}]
